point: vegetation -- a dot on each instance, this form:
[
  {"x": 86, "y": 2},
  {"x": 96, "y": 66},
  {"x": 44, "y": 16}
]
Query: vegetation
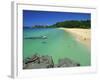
[
  {"x": 86, "y": 24},
  {"x": 74, "y": 24}
]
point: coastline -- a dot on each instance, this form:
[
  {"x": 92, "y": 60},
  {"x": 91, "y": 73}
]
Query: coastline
[{"x": 81, "y": 35}]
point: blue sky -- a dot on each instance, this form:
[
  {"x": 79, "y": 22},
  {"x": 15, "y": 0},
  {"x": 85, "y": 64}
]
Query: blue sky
[{"x": 31, "y": 18}]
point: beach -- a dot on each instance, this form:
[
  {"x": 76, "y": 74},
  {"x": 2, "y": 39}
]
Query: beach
[
  {"x": 81, "y": 35},
  {"x": 56, "y": 39}
]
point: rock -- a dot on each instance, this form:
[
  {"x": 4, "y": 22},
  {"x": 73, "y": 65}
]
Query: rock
[
  {"x": 26, "y": 60},
  {"x": 67, "y": 63},
  {"x": 47, "y": 60},
  {"x": 24, "y": 65},
  {"x": 56, "y": 65},
  {"x": 36, "y": 66},
  {"x": 78, "y": 64},
  {"x": 37, "y": 61},
  {"x": 34, "y": 58}
]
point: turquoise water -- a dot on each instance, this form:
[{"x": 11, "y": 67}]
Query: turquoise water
[{"x": 60, "y": 44}]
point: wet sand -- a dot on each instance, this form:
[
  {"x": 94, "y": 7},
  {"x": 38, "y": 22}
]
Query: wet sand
[{"x": 81, "y": 35}]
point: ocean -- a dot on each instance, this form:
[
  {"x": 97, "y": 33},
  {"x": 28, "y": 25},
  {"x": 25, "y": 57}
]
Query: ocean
[{"x": 58, "y": 44}]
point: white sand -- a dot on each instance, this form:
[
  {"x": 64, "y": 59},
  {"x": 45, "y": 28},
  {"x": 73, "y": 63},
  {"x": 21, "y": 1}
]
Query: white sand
[{"x": 82, "y": 35}]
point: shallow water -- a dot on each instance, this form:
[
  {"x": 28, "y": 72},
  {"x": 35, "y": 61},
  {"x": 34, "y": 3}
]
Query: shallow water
[{"x": 59, "y": 44}]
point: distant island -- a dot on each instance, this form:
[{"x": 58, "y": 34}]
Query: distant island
[{"x": 85, "y": 24}]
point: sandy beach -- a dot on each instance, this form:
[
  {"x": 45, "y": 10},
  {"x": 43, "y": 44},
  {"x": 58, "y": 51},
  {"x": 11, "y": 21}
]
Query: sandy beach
[{"x": 81, "y": 35}]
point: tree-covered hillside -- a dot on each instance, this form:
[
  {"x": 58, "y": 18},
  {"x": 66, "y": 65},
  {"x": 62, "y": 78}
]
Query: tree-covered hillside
[
  {"x": 86, "y": 24},
  {"x": 74, "y": 24}
]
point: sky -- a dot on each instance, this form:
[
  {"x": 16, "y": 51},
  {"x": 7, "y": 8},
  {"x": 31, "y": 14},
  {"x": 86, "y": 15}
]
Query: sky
[{"x": 31, "y": 18}]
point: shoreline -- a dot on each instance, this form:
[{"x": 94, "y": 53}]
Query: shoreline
[{"x": 81, "y": 35}]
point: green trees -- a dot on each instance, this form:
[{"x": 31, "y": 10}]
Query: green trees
[
  {"x": 68, "y": 24},
  {"x": 74, "y": 24}
]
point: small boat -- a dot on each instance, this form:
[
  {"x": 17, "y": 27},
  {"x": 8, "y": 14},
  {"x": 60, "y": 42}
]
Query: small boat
[{"x": 44, "y": 37}]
